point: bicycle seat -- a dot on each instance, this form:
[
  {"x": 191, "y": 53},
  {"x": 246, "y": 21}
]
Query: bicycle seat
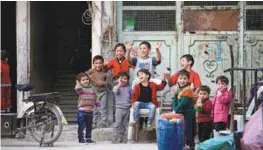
[
  {"x": 25, "y": 87},
  {"x": 44, "y": 96}
]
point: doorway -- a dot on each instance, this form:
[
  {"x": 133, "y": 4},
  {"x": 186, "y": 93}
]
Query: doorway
[{"x": 8, "y": 42}]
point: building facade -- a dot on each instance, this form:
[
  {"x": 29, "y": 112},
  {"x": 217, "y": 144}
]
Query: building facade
[{"x": 204, "y": 29}]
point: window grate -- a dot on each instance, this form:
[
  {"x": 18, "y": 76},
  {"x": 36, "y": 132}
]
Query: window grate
[
  {"x": 149, "y": 3},
  {"x": 254, "y": 2},
  {"x": 254, "y": 19},
  {"x": 148, "y": 20},
  {"x": 210, "y": 3}
]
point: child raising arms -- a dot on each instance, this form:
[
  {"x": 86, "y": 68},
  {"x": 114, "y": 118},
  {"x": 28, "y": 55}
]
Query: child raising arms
[{"x": 144, "y": 61}]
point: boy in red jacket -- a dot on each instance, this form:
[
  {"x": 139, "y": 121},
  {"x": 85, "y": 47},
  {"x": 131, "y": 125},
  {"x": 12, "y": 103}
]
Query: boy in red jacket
[
  {"x": 187, "y": 62},
  {"x": 203, "y": 107},
  {"x": 144, "y": 96}
]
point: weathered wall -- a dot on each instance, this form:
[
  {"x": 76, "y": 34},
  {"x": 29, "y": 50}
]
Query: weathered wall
[{"x": 211, "y": 20}]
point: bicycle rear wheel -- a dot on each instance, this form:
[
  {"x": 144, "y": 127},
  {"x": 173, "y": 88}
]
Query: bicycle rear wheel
[{"x": 48, "y": 125}]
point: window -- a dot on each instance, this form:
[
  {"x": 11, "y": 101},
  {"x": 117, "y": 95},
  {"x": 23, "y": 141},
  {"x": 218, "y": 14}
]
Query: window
[
  {"x": 254, "y": 2},
  {"x": 148, "y": 16},
  {"x": 254, "y": 16},
  {"x": 254, "y": 19}
]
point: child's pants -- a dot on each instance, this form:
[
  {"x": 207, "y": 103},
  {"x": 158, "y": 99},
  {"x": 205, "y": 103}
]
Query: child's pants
[
  {"x": 122, "y": 118},
  {"x": 141, "y": 105},
  {"x": 189, "y": 137},
  {"x": 107, "y": 108},
  {"x": 204, "y": 130},
  {"x": 220, "y": 126},
  {"x": 84, "y": 121}
]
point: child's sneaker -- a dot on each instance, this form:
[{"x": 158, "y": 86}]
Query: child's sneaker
[
  {"x": 149, "y": 126},
  {"x": 114, "y": 141},
  {"x": 90, "y": 141},
  {"x": 124, "y": 141},
  {"x": 82, "y": 141},
  {"x": 187, "y": 147},
  {"x": 133, "y": 122}
]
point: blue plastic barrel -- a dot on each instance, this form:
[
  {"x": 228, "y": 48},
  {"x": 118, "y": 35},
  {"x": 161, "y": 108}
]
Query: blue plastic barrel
[{"x": 170, "y": 136}]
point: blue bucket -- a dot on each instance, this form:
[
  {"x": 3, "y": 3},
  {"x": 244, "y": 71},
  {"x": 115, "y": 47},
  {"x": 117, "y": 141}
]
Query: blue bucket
[{"x": 170, "y": 136}]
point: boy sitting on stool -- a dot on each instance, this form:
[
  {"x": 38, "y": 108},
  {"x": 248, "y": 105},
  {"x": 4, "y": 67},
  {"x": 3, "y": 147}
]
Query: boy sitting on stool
[{"x": 144, "y": 96}]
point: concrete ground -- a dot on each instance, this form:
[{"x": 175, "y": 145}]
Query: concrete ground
[{"x": 14, "y": 144}]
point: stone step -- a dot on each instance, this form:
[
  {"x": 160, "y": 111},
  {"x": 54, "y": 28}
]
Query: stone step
[
  {"x": 71, "y": 117},
  {"x": 68, "y": 106},
  {"x": 64, "y": 90},
  {"x": 69, "y": 111},
  {"x": 67, "y": 78},
  {"x": 70, "y": 93},
  {"x": 64, "y": 86},
  {"x": 68, "y": 101},
  {"x": 69, "y": 97}
]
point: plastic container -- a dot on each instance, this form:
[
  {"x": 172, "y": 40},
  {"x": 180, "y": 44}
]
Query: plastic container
[
  {"x": 170, "y": 136},
  {"x": 218, "y": 143}
]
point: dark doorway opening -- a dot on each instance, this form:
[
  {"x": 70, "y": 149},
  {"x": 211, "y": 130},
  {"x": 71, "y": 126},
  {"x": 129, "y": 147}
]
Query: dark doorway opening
[
  {"x": 72, "y": 37},
  {"x": 60, "y": 48},
  {"x": 8, "y": 42}
]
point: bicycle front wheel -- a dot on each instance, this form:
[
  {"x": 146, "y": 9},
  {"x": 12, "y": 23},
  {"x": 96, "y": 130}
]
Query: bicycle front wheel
[{"x": 48, "y": 125}]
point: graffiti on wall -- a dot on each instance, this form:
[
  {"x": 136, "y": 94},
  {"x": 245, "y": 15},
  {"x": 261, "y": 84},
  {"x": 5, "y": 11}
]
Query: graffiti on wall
[{"x": 212, "y": 53}]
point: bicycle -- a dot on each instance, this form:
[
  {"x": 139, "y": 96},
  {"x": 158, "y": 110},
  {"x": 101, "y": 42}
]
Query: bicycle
[{"x": 40, "y": 115}]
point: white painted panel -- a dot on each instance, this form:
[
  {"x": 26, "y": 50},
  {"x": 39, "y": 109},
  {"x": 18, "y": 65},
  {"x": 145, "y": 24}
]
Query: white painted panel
[{"x": 211, "y": 55}]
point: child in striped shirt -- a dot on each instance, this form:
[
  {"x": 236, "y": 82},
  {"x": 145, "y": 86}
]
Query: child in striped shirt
[{"x": 86, "y": 102}]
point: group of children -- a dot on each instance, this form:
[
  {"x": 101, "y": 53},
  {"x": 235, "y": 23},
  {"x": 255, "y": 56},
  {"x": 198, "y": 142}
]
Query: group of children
[{"x": 190, "y": 97}]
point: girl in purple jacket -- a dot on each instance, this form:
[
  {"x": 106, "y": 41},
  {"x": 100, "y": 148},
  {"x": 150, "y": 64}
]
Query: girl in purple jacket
[{"x": 221, "y": 103}]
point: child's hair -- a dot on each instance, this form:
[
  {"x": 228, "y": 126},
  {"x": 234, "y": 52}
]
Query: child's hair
[
  {"x": 146, "y": 72},
  {"x": 120, "y": 45},
  {"x": 98, "y": 57},
  {"x": 145, "y": 43},
  {"x": 205, "y": 88},
  {"x": 223, "y": 79},
  {"x": 183, "y": 72},
  {"x": 189, "y": 57},
  {"x": 81, "y": 75},
  {"x": 121, "y": 74},
  {"x": 4, "y": 54}
]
